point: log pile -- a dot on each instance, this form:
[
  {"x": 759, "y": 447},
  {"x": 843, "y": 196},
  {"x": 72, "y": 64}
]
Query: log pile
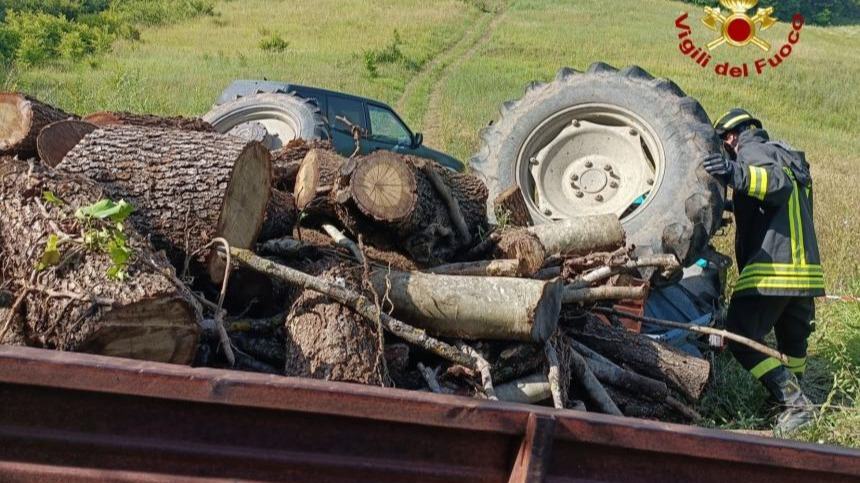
[{"x": 379, "y": 269}]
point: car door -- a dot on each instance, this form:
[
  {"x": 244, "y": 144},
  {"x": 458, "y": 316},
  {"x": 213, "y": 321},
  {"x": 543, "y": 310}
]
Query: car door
[
  {"x": 387, "y": 131},
  {"x": 341, "y": 135}
]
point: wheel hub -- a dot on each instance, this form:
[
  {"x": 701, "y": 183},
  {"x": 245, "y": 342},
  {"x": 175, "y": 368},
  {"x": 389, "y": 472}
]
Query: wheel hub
[{"x": 590, "y": 168}]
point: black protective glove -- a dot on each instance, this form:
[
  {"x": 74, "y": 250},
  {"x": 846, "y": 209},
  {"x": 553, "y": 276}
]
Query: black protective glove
[{"x": 718, "y": 165}]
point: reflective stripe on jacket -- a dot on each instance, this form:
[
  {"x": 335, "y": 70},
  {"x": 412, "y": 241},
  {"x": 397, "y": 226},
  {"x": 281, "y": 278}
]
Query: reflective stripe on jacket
[{"x": 776, "y": 247}]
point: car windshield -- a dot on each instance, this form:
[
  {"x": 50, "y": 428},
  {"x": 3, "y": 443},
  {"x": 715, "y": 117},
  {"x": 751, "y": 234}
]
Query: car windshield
[{"x": 386, "y": 127}]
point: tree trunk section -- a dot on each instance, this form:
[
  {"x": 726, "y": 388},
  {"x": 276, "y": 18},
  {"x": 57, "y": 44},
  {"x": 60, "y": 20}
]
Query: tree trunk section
[
  {"x": 74, "y": 306},
  {"x": 21, "y": 119},
  {"x": 511, "y": 207},
  {"x": 581, "y": 235},
  {"x": 281, "y": 216},
  {"x": 317, "y": 177},
  {"x": 58, "y": 138},
  {"x": 473, "y": 307},
  {"x": 327, "y": 340},
  {"x": 677, "y": 369},
  {"x": 187, "y": 187},
  {"x": 287, "y": 160},
  {"x": 106, "y": 118}
]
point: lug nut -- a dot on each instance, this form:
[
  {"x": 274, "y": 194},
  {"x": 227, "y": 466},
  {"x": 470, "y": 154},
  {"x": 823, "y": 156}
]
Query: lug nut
[
  {"x": 651, "y": 181},
  {"x": 579, "y": 194},
  {"x": 613, "y": 184},
  {"x": 533, "y": 161},
  {"x": 633, "y": 132},
  {"x": 599, "y": 197},
  {"x": 588, "y": 164},
  {"x": 607, "y": 167},
  {"x": 574, "y": 177},
  {"x": 575, "y": 123},
  {"x": 547, "y": 212}
]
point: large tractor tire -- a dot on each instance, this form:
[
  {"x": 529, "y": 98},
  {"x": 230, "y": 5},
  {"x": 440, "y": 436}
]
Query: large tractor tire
[
  {"x": 609, "y": 141},
  {"x": 271, "y": 118}
]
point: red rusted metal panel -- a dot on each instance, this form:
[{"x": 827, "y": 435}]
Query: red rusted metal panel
[{"x": 77, "y": 417}]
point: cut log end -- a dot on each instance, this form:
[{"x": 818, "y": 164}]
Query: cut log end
[
  {"x": 162, "y": 330},
  {"x": 316, "y": 176},
  {"x": 15, "y": 118},
  {"x": 58, "y": 138},
  {"x": 383, "y": 188}
]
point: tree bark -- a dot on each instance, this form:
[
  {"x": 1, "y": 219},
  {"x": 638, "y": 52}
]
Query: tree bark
[
  {"x": 281, "y": 216},
  {"x": 58, "y": 138},
  {"x": 511, "y": 207},
  {"x": 680, "y": 371},
  {"x": 187, "y": 187},
  {"x": 74, "y": 306},
  {"x": 21, "y": 119},
  {"x": 487, "y": 268},
  {"x": 106, "y": 118},
  {"x": 327, "y": 340},
  {"x": 591, "y": 294},
  {"x": 524, "y": 246},
  {"x": 473, "y": 308},
  {"x": 595, "y": 391}
]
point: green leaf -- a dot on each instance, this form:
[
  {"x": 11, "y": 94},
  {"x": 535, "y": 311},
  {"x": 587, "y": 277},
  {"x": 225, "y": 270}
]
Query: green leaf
[
  {"x": 115, "y": 211},
  {"x": 51, "y": 198},
  {"x": 51, "y": 255}
]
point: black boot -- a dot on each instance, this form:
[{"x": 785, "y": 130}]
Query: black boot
[{"x": 798, "y": 411}]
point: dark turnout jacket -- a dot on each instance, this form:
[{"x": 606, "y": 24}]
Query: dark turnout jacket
[{"x": 776, "y": 247}]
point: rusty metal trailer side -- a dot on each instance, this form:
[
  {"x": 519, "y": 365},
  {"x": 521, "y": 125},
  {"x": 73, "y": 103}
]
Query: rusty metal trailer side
[{"x": 77, "y": 417}]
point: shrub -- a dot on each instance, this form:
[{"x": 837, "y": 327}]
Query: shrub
[
  {"x": 272, "y": 42},
  {"x": 388, "y": 54},
  {"x": 819, "y": 12}
]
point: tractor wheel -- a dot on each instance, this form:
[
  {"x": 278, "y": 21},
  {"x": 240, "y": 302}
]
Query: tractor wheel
[
  {"x": 273, "y": 119},
  {"x": 609, "y": 141}
]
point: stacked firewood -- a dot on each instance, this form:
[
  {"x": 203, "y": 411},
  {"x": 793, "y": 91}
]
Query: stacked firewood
[{"x": 379, "y": 269}]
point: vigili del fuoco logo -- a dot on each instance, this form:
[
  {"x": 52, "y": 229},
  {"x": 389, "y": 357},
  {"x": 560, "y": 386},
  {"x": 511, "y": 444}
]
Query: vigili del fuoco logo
[{"x": 735, "y": 28}]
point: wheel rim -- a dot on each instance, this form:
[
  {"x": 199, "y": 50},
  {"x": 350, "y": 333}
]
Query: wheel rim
[
  {"x": 590, "y": 159},
  {"x": 271, "y": 126}
]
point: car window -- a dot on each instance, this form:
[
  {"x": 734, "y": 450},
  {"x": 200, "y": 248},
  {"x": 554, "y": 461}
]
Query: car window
[
  {"x": 385, "y": 126},
  {"x": 348, "y": 108}
]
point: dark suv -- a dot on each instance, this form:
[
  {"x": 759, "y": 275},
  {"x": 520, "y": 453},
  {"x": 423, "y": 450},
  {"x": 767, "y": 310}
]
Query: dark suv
[{"x": 383, "y": 127}]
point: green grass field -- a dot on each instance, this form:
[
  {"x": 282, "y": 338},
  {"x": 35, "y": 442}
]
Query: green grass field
[{"x": 463, "y": 58}]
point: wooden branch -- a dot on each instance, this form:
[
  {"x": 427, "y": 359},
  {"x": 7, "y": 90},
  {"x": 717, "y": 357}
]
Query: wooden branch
[
  {"x": 359, "y": 303},
  {"x": 553, "y": 375},
  {"x": 608, "y": 372},
  {"x": 483, "y": 367},
  {"x": 285, "y": 247},
  {"x": 592, "y": 294},
  {"x": 664, "y": 261},
  {"x": 453, "y": 205},
  {"x": 508, "y": 267},
  {"x": 702, "y": 330},
  {"x": 527, "y": 390},
  {"x": 593, "y": 389},
  {"x": 343, "y": 241}
]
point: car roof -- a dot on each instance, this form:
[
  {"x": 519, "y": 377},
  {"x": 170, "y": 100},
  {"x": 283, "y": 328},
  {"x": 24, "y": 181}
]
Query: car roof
[{"x": 245, "y": 87}]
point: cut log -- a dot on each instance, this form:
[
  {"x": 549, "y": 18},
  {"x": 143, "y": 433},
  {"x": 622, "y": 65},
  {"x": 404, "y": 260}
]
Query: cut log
[
  {"x": 187, "y": 187},
  {"x": 527, "y": 390},
  {"x": 327, "y": 340},
  {"x": 384, "y": 189},
  {"x": 524, "y": 246},
  {"x": 74, "y": 306},
  {"x": 679, "y": 370},
  {"x": 511, "y": 207},
  {"x": 58, "y": 138},
  {"x": 21, "y": 119},
  {"x": 474, "y": 308},
  {"x": 585, "y": 379},
  {"x": 581, "y": 235},
  {"x": 281, "y": 216},
  {"x": 106, "y": 118},
  {"x": 317, "y": 177},
  {"x": 286, "y": 161}
]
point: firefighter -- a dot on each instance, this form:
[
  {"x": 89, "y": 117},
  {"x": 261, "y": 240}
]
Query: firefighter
[{"x": 777, "y": 257}]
